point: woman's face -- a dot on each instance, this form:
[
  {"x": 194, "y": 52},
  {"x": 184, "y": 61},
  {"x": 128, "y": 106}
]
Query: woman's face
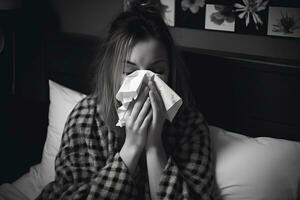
[{"x": 148, "y": 54}]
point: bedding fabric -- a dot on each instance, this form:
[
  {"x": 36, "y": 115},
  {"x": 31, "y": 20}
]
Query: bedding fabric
[
  {"x": 28, "y": 184},
  {"x": 246, "y": 168},
  {"x": 256, "y": 168},
  {"x": 10, "y": 192}
]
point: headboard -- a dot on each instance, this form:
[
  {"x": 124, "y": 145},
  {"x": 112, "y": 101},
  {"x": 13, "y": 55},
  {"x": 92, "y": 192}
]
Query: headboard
[
  {"x": 248, "y": 96},
  {"x": 68, "y": 60}
]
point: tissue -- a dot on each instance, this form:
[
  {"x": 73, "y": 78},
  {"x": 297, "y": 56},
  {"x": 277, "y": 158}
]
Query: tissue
[{"x": 130, "y": 89}]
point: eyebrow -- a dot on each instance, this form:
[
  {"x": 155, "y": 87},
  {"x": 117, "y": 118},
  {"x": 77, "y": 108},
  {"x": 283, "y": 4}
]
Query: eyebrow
[{"x": 153, "y": 63}]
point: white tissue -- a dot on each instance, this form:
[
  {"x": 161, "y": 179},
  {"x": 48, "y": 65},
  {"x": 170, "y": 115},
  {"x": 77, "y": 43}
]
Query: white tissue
[{"x": 130, "y": 90}]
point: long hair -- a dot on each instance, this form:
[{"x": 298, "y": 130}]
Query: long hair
[{"x": 126, "y": 30}]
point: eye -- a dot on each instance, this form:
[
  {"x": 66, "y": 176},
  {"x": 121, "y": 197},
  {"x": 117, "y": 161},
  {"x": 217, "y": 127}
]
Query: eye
[
  {"x": 129, "y": 68},
  {"x": 159, "y": 71},
  {"x": 159, "y": 67},
  {"x": 128, "y": 72}
]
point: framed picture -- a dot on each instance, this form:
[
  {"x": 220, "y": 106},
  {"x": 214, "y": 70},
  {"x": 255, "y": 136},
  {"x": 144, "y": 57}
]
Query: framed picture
[
  {"x": 219, "y": 17},
  {"x": 190, "y": 13},
  {"x": 251, "y": 16},
  {"x": 284, "y": 22},
  {"x": 257, "y": 17}
]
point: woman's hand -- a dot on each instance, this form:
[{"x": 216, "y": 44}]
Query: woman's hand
[
  {"x": 139, "y": 118},
  {"x": 158, "y": 116},
  {"x": 155, "y": 153}
]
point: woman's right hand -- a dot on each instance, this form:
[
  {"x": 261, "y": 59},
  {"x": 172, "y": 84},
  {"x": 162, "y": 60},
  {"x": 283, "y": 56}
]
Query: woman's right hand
[{"x": 138, "y": 117}]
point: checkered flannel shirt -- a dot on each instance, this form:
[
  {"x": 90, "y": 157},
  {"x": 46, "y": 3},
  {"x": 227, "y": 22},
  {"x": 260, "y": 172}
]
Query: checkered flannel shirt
[{"x": 88, "y": 165}]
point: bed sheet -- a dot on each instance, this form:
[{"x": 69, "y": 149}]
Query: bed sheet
[
  {"x": 10, "y": 192},
  {"x": 26, "y": 187}
]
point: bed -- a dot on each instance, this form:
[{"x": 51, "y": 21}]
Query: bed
[{"x": 257, "y": 154}]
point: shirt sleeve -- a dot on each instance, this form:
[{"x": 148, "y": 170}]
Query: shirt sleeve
[
  {"x": 188, "y": 173},
  {"x": 76, "y": 175}
]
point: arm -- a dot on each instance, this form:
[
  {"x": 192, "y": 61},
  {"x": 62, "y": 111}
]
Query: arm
[
  {"x": 130, "y": 155},
  {"x": 188, "y": 173},
  {"x": 155, "y": 153},
  {"x": 83, "y": 174},
  {"x": 138, "y": 119},
  {"x": 156, "y": 160}
]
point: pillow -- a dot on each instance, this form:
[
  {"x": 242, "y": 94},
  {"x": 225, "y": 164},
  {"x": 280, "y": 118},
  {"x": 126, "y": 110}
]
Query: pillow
[
  {"x": 28, "y": 183},
  {"x": 62, "y": 101},
  {"x": 9, "y": 192},
  {"x": 256, "y": 168}
]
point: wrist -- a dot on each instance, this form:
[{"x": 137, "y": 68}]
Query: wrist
[
  {"x": 156, "y": 153},
  {"x": 154, "y": 138},
  {"x": 131, "y": 149},
  {"x": 154, "y": 146},
  {"x": 130, "y": 156}
]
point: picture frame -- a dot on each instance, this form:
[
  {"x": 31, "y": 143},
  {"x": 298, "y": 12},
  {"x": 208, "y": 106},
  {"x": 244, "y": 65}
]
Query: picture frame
[{"x": 272, "y": 18}]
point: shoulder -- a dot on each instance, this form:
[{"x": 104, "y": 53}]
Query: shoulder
[
  {"x": 189, "y": 127},
  {"x": 83, "y": 121},
  {"x": 83, "y": 112},
  {"x": 189, "y": 116}
]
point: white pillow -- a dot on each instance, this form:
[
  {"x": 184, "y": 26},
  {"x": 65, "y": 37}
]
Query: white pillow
[
  {"x": 62, "y": 102},
  {"x": 256, "y": 168},
  {"x": 28, "y": 183}
]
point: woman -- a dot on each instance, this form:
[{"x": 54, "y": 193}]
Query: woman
[{"x": 149, "y": 157}]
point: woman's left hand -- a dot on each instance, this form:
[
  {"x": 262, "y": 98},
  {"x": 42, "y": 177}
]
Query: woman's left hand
[{"x": 158, "y": 116}]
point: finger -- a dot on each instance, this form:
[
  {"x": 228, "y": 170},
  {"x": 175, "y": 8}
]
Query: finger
[
  {"x": 129, "y": 110},
  {"x": 154, "y": 105},
  {"x": 147, "y": 120},
  {"x": 139, "y": 103},
  {"x": 143, "y": 113},
  {"x": 153, "y": 87}
]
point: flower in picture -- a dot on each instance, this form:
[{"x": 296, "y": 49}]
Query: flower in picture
[
  {"x": 251, "y": 9},
  {"x": 192, "y": 5},
  {"x": 164, "y": 9},
  {"x": 286, "y": 24},
  {"x": 224, "y": 13}
]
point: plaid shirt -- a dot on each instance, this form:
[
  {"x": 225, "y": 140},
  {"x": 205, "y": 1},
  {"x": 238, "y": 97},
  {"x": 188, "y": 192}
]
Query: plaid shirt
[{"x": 88, "y": 165}]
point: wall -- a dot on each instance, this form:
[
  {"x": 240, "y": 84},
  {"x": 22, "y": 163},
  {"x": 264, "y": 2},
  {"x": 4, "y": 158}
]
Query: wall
[
  {"x": 93, "y": 16},
  {"x": 88, "y": 17},
  {"x": 284, "y": 48}
]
